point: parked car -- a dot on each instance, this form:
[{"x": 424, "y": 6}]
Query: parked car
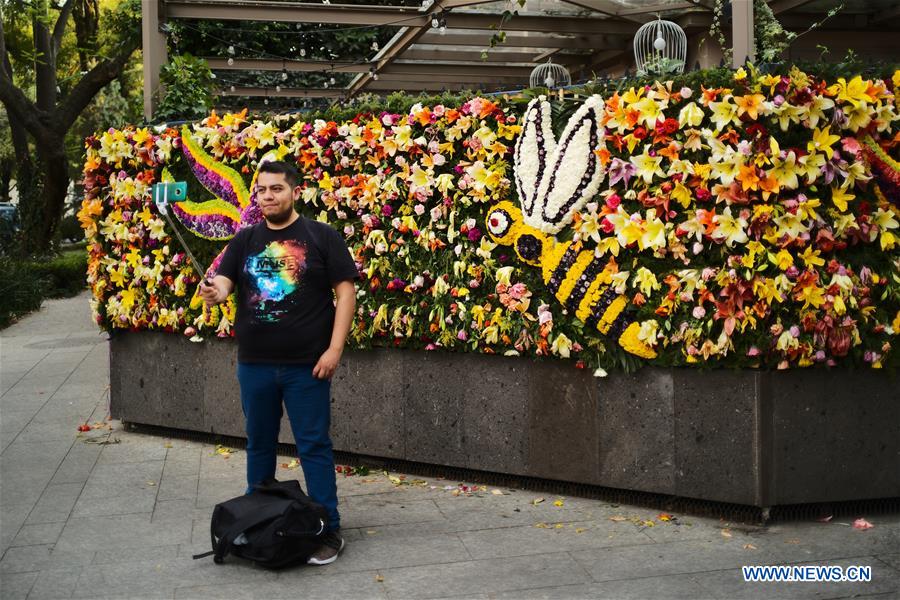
[{"x": 9, "y": 216}]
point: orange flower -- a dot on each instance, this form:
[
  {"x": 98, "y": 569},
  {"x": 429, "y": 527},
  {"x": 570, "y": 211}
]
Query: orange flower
[
  {"x": 768, "y": 185},
  {"x": 749, "y": 104},
  {"x": 711, "y": 95},
  {"x": 487, "y": 108},
  {"x": 748, "y": 177},
  {"x": 670, "y": 151},
  {"x": 424, "y": 116},
  {"x": 604, "y": 156},
  {"x": 308, "y": 159}
]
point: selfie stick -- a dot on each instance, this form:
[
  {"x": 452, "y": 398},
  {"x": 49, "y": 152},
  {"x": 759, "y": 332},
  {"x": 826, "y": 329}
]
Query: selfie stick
[{"x": 162, "y": 204}]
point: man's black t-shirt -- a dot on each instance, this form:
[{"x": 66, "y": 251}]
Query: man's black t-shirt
[{"x": 284, "y": 278}]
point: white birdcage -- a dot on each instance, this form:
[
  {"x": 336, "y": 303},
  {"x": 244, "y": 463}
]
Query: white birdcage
[
  {"x": 550, "y": 75},
  {"x": 660, "y": 47}
]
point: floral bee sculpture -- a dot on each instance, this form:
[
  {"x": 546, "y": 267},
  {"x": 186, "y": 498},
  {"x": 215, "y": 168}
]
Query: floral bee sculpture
[{"x": 554, "y": 181}]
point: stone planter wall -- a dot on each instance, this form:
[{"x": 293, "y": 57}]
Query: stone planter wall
[{"x": 746, "y": 437}]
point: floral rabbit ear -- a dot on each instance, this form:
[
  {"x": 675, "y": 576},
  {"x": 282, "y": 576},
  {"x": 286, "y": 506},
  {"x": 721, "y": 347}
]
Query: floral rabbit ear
[
  {"x": 574, "y": 172},
  {"x": 533, "y": 149},
  {"x": 224, "y": 182}
]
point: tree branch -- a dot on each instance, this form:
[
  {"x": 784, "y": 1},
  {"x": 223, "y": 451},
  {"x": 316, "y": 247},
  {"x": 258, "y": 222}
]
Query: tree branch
[
  {"x": 95, "y": 80},
  {"x": 5, "y": 65},
  {"x": 60, "y": 28}
]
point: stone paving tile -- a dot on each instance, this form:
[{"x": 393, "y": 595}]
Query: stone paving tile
[
  {"x": 730, "y": 583},
  {"x": 55, "y": 503},
  {"x": 91, "y": 534},
  {"x": 40, "y": 533},
  {"x": 55, "y": 583},
  {"x": 151, "y": 555},
  {"x": 892, "y": 560},
  {"x": 133, "y": 449},
  {"x": 178, "y": 487},
  {"x": 118, "y": 479},
  {"x": 372, "y": 511},
  {"x": 484, "y": 576},
  {"x": 669, "y": 587},
  {"x": 15, "y": 586},
  {"x": 836, "y": 539},
  {"x": 23, "y": 559},
  {"x": 139, "y": 502},
  {"x": 12, "y": 518},
  {"x": 548, "y": 538},
  {"x": 78, "y": 463},
  {"x": 293, "y": 584},
  {"x": 673, "y": 558},
  {"x": 373, "y": 553},
  {"x": 125, "y": 579}
]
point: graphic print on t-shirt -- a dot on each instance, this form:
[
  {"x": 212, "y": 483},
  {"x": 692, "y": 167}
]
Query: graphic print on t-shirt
[{"x": 275, "y": 275}]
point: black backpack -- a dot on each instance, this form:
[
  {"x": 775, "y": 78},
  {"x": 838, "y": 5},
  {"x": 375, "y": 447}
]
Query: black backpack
[{"x": 276, "y": 526}]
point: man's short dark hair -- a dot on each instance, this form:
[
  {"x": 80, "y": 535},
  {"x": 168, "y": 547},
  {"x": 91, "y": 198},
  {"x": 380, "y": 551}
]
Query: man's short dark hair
[{"x": 279, "y": 166}]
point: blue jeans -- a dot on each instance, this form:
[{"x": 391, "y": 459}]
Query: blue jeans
[{"x": 308, "y": 403}]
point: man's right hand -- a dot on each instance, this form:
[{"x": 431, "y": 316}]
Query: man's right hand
[{"x": 211, "y": 294}]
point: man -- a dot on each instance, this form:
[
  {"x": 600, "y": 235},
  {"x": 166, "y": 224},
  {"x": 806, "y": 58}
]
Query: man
[{"x": 288, "y": 269}]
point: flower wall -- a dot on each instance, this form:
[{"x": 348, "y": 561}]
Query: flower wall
[{"x": 753, "y": 224}]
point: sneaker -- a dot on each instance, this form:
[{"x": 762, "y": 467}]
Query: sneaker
[{"x": 332, "y": 544}]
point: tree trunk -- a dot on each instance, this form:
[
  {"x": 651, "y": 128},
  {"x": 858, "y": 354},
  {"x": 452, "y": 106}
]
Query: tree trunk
[{"x": 55, "y": 187}]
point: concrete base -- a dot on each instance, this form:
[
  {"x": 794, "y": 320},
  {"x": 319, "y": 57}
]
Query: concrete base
[{"x": 746, "y": 437}]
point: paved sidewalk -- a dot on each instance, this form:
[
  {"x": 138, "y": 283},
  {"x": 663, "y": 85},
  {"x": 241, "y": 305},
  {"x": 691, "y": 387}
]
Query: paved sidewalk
[{"x": 84, "y": 519}]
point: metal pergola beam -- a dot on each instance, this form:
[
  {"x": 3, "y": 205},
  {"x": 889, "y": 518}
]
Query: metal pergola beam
[
  {"x": 517, "y": 40},
  {"x": 335, "y": 93},
  {"x": 293, "y": 12},
  {"x": 782, "y": 6},
  {"x": 298, "y": 66},
  {"x": 442, "y": 54},
  {"x": 544, "y": 23},
  {"x": 440, "y": 86},
  {"x": 656, "y": 8},
  {"x": 610, "y": 9},
  {"x": 474, "y": 70}
]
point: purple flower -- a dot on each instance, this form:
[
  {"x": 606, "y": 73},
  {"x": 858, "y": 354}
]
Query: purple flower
[
  {"x": 474, "y": 234},
  {"x": 619, "y": 170}
]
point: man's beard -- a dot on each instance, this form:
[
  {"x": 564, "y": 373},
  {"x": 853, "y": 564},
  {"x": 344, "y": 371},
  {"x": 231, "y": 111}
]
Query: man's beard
[{"x": 280, "y": 218}]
